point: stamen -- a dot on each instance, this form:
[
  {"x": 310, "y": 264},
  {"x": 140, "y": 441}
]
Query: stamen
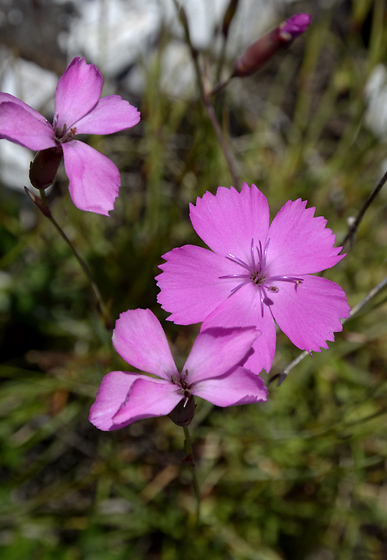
[
  {"x": 294, "y": 279},
  {"x": 267, "y": 301},
  {"x": 262, "y": 300},
  {"x": 254, "y": 266},
  {"x": 259, "y": 253},
  {"x": 234, "y": 276},
  {"x": 257, "y": 274},
  {"x": 231, "y": 258},
  {"x": 239, "y": 286}
]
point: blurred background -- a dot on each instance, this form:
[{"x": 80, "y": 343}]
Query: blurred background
[{"x": 301, "y": 477}]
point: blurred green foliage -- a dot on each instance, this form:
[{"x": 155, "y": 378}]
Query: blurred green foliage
[{"x": 301, "y": 477}]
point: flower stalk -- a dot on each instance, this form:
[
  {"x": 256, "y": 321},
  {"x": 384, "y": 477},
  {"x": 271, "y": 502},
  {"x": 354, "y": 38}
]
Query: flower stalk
[
  {"x": 190, "y": 461},
  {"x": 42, "y": 204},
  {"x": 206, "y": 97},
  {"x": 351, "y": 234}
]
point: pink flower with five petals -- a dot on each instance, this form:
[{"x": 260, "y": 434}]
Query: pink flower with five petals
[
  {"x": 212, "y": 371},
  {"x": 93, "y": 179},
  {"x": 256, "y": 274}
]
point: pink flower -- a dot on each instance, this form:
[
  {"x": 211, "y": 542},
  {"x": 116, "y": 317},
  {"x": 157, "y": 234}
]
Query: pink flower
[
  {"x": 94, "y": 179},
  {"x": 255, "y": 274},
  {"x": 212, "y": 372}
]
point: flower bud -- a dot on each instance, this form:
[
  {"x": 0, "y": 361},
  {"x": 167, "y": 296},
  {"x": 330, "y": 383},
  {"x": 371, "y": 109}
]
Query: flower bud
[
  {"x": 267, "y": 46},
  {"x": 294, "y": 26},
  {"x": 44, "y": 167},
  {"x": 183, "y": 412}
]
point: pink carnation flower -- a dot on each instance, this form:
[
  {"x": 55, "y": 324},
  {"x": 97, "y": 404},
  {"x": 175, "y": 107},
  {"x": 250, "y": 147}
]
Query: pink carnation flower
[
  {"x": 94, "y": 179},
  {"x": 212, "y": 372},
  {"x": 256, "y": 274}
]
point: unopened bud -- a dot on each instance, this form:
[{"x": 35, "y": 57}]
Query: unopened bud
[
  {"x": 183, "y": 412},
  {"x": 44, "y": 167},
  {"x": 294, "y": 26},
  {"x": 270, "y": 44}
]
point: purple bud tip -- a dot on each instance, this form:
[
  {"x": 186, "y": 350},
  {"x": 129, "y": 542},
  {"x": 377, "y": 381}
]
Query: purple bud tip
[{"x": 296, "y": 25}]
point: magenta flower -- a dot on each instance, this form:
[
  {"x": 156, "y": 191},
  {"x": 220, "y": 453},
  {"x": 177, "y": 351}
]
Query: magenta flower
[
  {"x": 94, "y": 179},
  {"x": 255, "y": 274},
  {"x": 212, "y": 372}
]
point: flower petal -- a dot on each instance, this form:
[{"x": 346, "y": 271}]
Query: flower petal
[
  {"x": 147, "y": 398},
  {"x": 243, "y": 309},
  {"x": 7, "y": 97},
  {"x": 78, "y": 90},
  {"x": 21, "y": 126},
  {"x": 109, "y": 115},
  {"x": 310, "y": 314},
  {"x": 139, "y": 339},
  {"x": 299, "y": 243},
  {"x": 229, "y": 221},
  {"x": 94, "y": 179},
  {"x": 239, "y": 387},
  {"x": 217, "y": 350},
  {"x": 111, "y": 395},
  {"x": 190, "y": 285}
]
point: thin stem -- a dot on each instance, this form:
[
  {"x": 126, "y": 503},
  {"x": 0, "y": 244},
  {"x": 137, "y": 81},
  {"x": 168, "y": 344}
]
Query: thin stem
[
  {"x": 221, "y": 59},
  {"x": 349, "y": 238},
  {"x": 354, "y": 311},
  {"x": 219, "y": 87},
  {"x": 222, "y": 141},
  {"x": 194, "y": 53},
  {"x": 227, "y": 20},
  {"x": 190, "y": 460},
  {"x": 374, "y": 292},
  {"x": 101, "y": 307},
  {"x": 205, "y": 97}
]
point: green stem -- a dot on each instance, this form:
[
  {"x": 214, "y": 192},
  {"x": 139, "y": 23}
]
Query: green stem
[
  {"x": 221, "y": 59},
  {"x": 191, "y": 461},
  {"x": 350, "y": 237},
  {"x": 101, "y": 307},
  {"x": 219, "y": 87},
  {"x": 205, "y": 96},
  {"x": 215, "y": 123}
]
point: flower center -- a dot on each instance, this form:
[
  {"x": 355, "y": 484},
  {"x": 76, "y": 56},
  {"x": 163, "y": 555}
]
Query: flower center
[
  {"x": 255, "y": 271},
  {"x": 184, "y": 411},
  {"x": 255, "y": 277},
  {"x": 182, "y": 380},
  {"x": 63, "y": 134}
]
